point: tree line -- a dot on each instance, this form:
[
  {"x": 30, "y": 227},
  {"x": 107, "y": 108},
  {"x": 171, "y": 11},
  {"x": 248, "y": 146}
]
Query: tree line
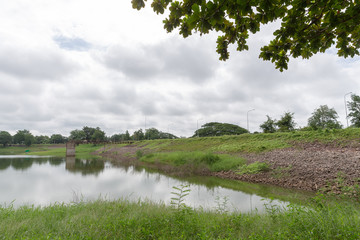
[
  {"x": 322, "y": 118},
  {"x": 84, "y": 135}
]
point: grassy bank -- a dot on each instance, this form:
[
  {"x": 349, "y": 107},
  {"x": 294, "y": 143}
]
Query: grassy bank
[
  {"x": 145, "y": 220},
  {"x": 82, "y": 151},
  {"x": 255, "y": 142}
]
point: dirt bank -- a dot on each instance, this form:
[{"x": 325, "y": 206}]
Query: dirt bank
[{"x": 308, "y": 167}]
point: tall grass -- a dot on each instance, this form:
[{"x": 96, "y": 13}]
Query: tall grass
[
  {"x": 122, "y": 219},
  {"x": 213, "y": 162}
]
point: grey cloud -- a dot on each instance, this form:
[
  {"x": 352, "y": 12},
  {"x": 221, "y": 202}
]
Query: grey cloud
[
  {"x": 171, "y": 59},
  {"x": 34, "y": 63}
]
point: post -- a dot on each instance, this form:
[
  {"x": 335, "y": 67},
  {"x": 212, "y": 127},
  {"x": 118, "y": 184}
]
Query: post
[
  {"x": 346, "y": 116},
  {"x": 70, "y": 149}
]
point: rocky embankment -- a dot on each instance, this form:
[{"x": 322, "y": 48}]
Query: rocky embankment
[{"x": 310, "y": 167}]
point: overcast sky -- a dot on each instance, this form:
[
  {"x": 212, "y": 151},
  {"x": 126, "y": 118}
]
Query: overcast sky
[{"x": 73, "y": 63}]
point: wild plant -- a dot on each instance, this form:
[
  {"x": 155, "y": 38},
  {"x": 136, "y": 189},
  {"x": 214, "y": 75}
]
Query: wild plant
[
  {"x": 180, "y": 193},
  {"x": 222, "y": 204}
]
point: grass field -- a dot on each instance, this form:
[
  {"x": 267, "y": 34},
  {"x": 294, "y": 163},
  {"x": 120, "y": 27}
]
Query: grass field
[
  {"x": 82, "y": 151},
  {"x": 122, "y": 219},
  {"x": 254, "y": 142}
]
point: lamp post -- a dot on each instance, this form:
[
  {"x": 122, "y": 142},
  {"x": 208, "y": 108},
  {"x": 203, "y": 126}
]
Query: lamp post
[
  {"x": 346, "y": 116},
  {"x": 197, "y": 126},
  {"x": 247, "y": 118}
]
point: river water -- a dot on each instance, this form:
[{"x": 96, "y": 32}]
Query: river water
[{"x": 41, "y": 181}]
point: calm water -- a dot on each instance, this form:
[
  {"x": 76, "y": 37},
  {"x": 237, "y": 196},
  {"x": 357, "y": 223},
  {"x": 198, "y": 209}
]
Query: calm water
[{"x": 33, "y": 180}]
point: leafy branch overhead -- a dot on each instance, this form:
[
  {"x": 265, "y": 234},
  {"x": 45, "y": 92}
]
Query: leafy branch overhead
[{"x": 307, "y": 26}]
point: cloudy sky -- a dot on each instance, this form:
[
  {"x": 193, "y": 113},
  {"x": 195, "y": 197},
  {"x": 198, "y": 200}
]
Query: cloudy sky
[{"x": 73, "y": 63}]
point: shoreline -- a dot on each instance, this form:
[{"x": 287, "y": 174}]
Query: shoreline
[{"x": 310, "y": 167}]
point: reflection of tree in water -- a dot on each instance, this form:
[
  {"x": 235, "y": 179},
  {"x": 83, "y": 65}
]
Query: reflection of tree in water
[
  {"x": 85, "y": 167},
  {"x": 5, "y": 163},
  {"x": 56, "y": 161},
  {"x": 21, "y": 163}
]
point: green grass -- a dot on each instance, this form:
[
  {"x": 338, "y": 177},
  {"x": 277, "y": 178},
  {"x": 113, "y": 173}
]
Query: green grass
[
  {"x": 16, "y": 150},
  {"x": 257, "y": 143},
  {"x": 82, "y": 151},
  {"x": 253, "y": 168},
  {"x": 213, "y": 162},
  {"x": 122, "y": 219}
]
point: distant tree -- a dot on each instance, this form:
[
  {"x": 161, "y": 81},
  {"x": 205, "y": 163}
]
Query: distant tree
[
  {"x": 269, "y": 126},
  {"x": 354, "y": 109},
  {"x": 138, "y": 135},
  {"x": 77, "y": 135},
  {"x": 5, "y": 138},
  {"x": 29, "y": 139},
  {"x": 286, "y": 122},
  {"x": 41, "y": 139},
  {"x": 23, "y": 137},
  {"x": 324, "y": 117},
  {"x": 116, "y": 138},
  {"x": 57, "y": 138},
  {"x": 127, "y": 136},
  {"x": 152, "y": 133},
  {"x": 98, "y": 136},
  {"x": 219, "y": 129},
  {"x": 89, "y": 131}
]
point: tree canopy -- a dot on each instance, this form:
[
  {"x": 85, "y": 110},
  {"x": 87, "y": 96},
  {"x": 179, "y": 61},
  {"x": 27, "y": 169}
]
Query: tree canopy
[
  {"x": 269, "y": 126},
  {"x": 307, "y": 27},
  {"x": 354, "y": 108},
  {"x": 5, "y": 138},
  {"x": 219, "y": 129},
  {"x": 324, "y": 117},
  {"x": 286, "y": 122}
]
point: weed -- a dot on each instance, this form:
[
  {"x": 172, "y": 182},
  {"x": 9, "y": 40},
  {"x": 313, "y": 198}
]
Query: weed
[
  {"x": 139, "y": 154},
  {"x": 253, "y": 168},
  {"x": 222, "y": 203},
  {"x": 180, "y": 193}
]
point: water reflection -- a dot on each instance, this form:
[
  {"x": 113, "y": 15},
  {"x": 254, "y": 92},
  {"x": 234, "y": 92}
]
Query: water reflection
[
  {"x": 42, "y": 181},
  {"x": 85, "y": 167},
  {"x": 74, "y": 165}
]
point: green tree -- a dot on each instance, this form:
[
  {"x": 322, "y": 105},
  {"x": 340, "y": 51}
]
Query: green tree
[
  {"x": 269, "y": 126},
  {"x": 23, "y": 135},
  {"x": 286, "y": 122},
  {"x": 354, "y": 109},
  {"x": 5, "y": 138},
  {"x": 307, "y": 27},
  {"x": 41, "y": 139},
  {"x": 29, "y": 139},
  {"x": 138, "y": 135},
  {"x": 57, "y": 138},
  {"x": 219, "y": 129},
  {"x": 127, "y": 136},
  {"x": 152, "y": 133},
  {"x": 89, "y": 131},
  {"x": 324, "y": 117},
  {"x": 98, "y": 136},
  {"x": 77, "y": 135}
]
